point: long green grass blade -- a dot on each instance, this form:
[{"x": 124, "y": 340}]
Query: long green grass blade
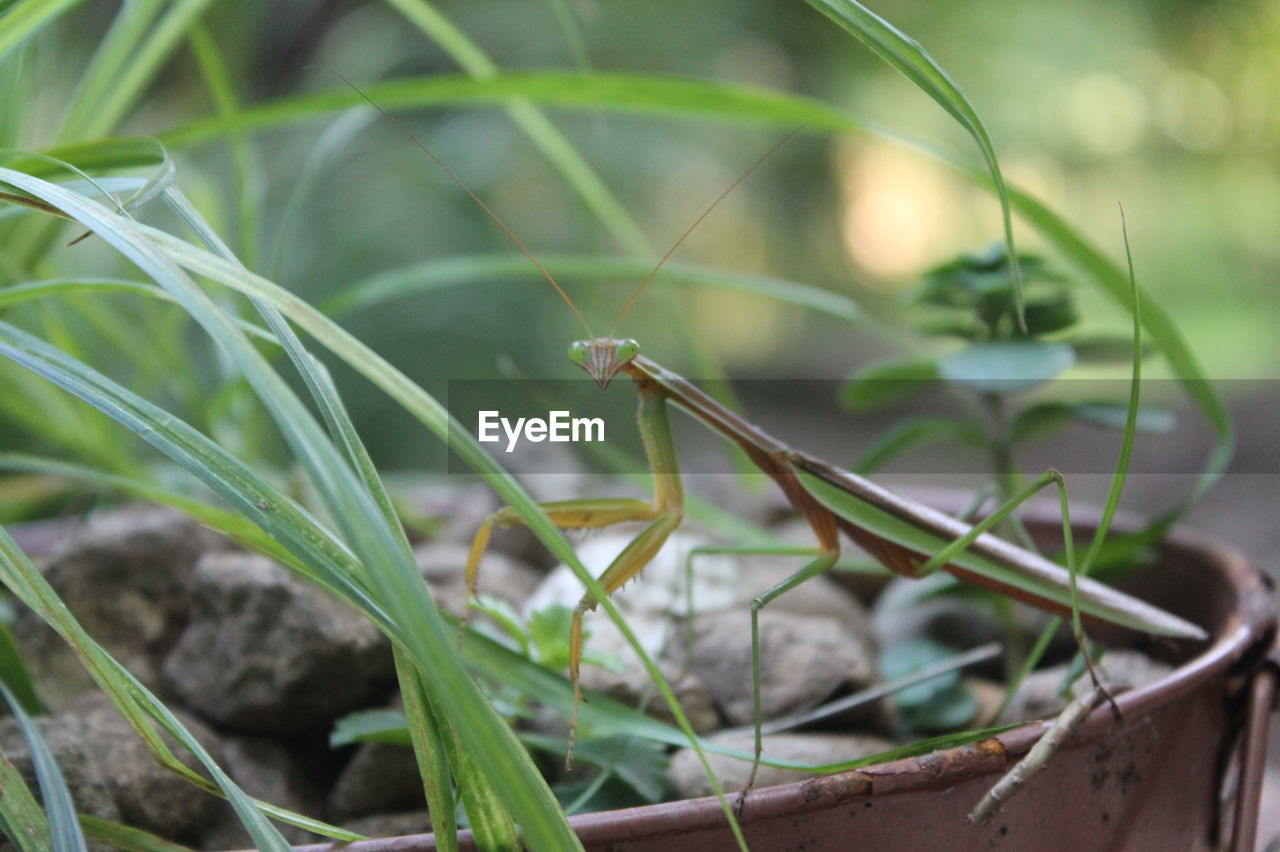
[
  {"x": 631, "y": 94},
  {"x": 434, "y": 736},
  {"x": 127, "y": 837},
  {"x": 474, "y": 269},
  {"x": 392, "y": 573},
  {"x": 21, "y": 818},
  {"x": 217, "y": 79},
  {"x": 549, "y": 140},
  {"x": 231, "y": 524},
  {"x": 64, "y": 829},
  {"x": 1113, "y": 493},
  {"x": 915, "y": 63},
  {"x": 143, "y": 36},
  {"x": 427, "y": 739},
  {"x": 95, "y": 155},
  {"x": 421, "y": 405},
  {"x": 714, "y": 100},
  {"x": 14, "y": 674},
  {"x": 133, "y": 700},
  {"x": 27, "y": 17}
]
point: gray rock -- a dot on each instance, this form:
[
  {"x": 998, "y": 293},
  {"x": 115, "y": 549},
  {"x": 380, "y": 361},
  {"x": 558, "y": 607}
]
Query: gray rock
[
  {"x": 908, "y": 609},
  {"x": 66, "y": 739},
  {"x": 1039, "y": 696},
  {"x": 269, "y": 771},
  {"x": 379, "y": 779},
  {"x": 266, "y": 652},
  {"x": 126, "y": 577},
  {"x": 804, "y": 660},
  {"x": 689, "y": 781},
  {"x": 633, "y": 683},
  {"x": 444, "y": 566},
  {"x": 391, "y": 825},
  {"x": 989, "y": 695},
  {"x": 453, "y": 512},
  {"x": 821, "y": 596},
  {"x": 148, "y": 795}
]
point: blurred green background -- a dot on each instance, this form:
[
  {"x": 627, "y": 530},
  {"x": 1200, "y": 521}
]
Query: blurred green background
[{"x": 1172, "y": 108}]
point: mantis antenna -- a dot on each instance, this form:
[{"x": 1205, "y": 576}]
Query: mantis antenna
[
  {"x": 485, "y": 207},
  {"x": 696, "y": 222}
]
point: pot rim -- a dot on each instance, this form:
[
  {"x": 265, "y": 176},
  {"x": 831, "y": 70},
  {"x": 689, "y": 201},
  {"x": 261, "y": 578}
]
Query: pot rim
[
  {"x": 1246, "y": 635},
  {"x": 1244, "y": 639}
]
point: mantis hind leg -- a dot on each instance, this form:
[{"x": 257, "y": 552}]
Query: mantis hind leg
[
  {"x": 823, "y": 562},
  {"x": 713, "y": 550}
]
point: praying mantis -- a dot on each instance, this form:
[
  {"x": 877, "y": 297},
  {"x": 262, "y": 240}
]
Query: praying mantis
[
  {"x": 830, "y": 499},
  {"x": 887, "y": 526}
]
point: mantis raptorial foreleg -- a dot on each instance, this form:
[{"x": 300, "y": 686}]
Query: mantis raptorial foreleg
[{"x": 664, "y": 515}]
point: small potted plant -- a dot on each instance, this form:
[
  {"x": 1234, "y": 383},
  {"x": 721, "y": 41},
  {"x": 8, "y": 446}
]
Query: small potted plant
[{"x": 148, "y": 358}]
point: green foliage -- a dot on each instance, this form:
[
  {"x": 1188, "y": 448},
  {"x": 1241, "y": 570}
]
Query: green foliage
[
  {"x": 942, "y": 703},
  {"x": 973, "y": 297},
  {"x": 229, "y": 433}
]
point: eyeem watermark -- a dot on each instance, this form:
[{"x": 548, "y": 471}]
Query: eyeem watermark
[{"x": 558, "y": 427}]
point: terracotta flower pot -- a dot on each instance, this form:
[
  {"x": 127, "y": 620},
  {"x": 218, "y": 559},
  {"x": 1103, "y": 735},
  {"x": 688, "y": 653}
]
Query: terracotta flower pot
[{"x": 1180, "y": 771}]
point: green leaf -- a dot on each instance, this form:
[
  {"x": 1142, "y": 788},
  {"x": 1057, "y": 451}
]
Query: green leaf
[
  {"x": 640, "y": 763},
  {"x": 1113, "y": 415},
  {"x": 912, "y": 432},
  {"x": 505, "y": 617},
  {"x": 1105, "y": 349},
  {"x": 435, "y": 746},
  {"x": 21, "y": 818},
  {"x": 1044, "y": 418},
  {"x": 382, "y": 725},
  {"x": 1005, "y": 367},
  {"x": 548, "y": 634},
  {"x": 94, "y": 155},
  {"x": 627, "y": 93},
  {"x": 945, "y": 325},
  {"x": 908, "y": 656},
  {"x": 1050, "y": 311},
  {"x": 939, "y": 703},
  {"x": 1039, "y": 420},
  {"x": 881, "y": 385}
]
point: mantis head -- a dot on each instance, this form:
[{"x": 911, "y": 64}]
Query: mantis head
[{"x": 603, "y": 357}]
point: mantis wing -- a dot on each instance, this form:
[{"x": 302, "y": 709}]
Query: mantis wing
[{"x": 875, "y": 516}]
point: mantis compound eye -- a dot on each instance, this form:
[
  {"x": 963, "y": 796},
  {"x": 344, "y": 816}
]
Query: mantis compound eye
[
  {"x": 627, "y": 349},
  {"x": 579, "y": 352}
]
